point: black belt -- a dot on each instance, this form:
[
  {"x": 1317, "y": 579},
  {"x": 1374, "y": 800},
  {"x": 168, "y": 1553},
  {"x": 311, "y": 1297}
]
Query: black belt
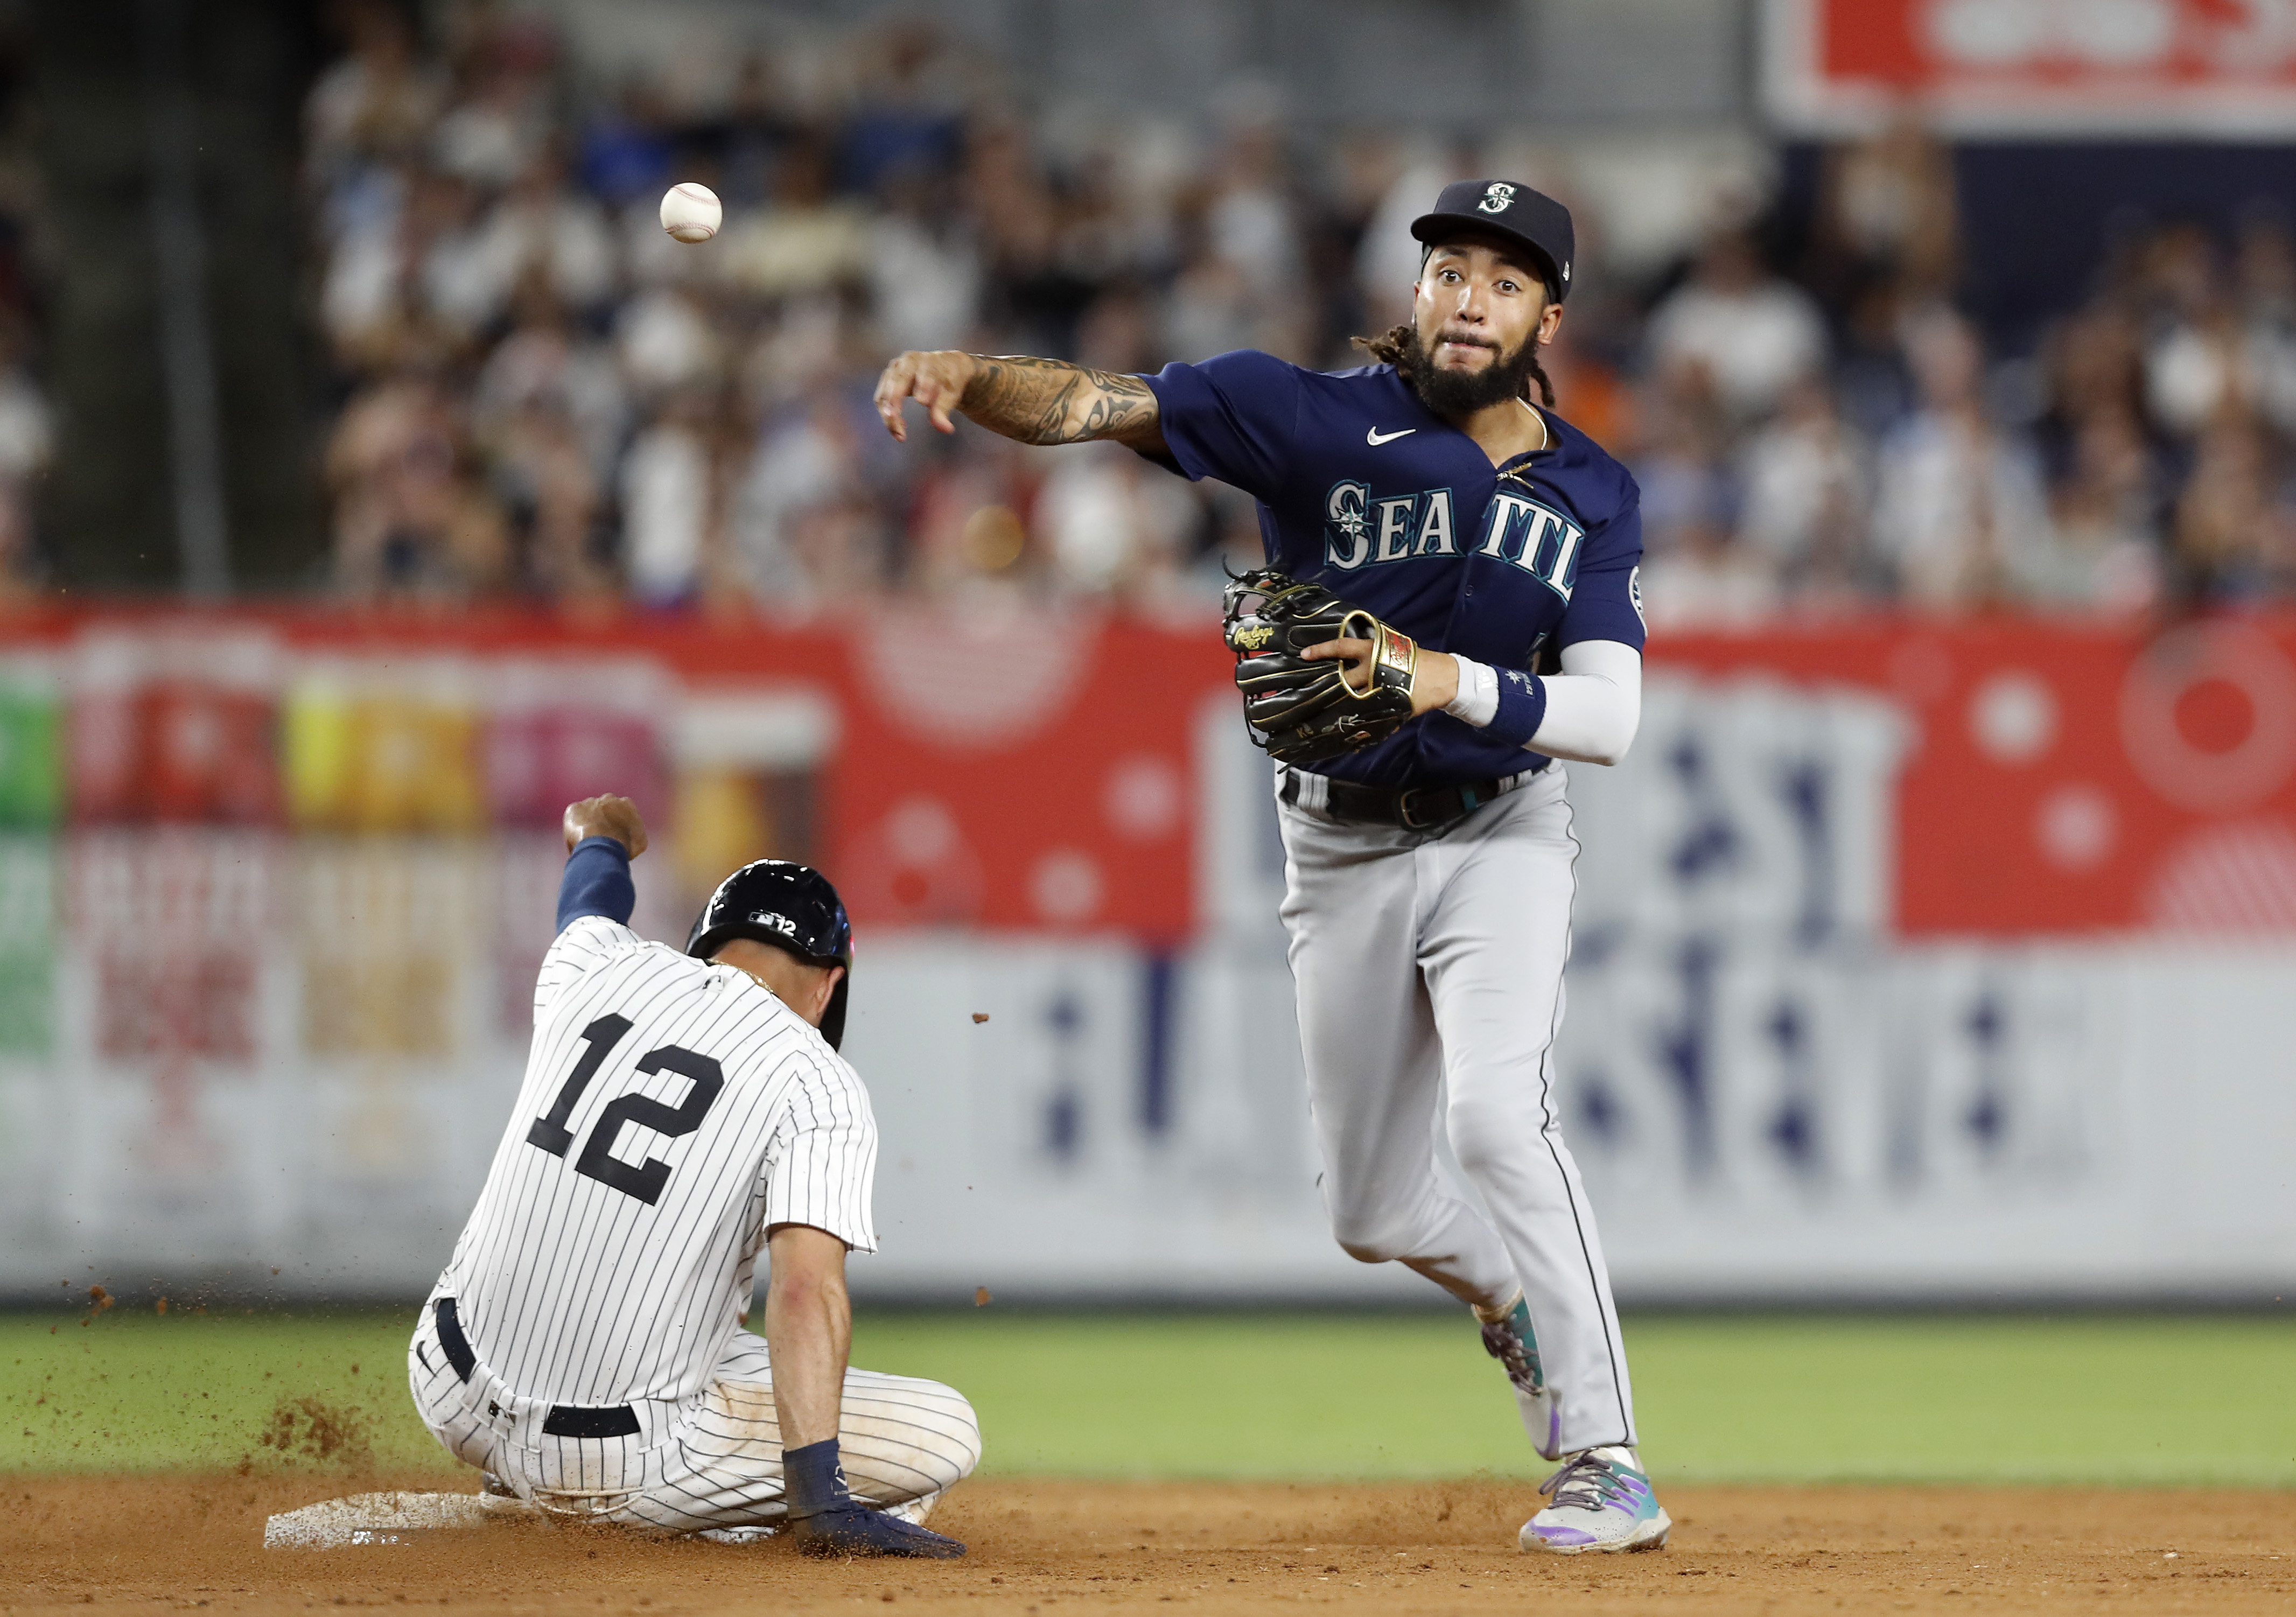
[
  {"x": 564, "y": 1420},
  {"x": 1413, "y": 808}
]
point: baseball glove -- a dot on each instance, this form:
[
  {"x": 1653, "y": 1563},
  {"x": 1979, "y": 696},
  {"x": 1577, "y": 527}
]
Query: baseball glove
[{"x": 1299, "y": 710}]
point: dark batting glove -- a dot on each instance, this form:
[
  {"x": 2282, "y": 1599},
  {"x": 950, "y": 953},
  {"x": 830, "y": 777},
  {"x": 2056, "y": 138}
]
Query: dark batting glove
[{"x": 826, "y": 1520}]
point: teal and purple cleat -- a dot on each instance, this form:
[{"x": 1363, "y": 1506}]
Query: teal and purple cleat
[{"x": 1599, "y": 1501}]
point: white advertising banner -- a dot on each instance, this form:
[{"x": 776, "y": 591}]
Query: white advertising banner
[{"x": 223, "y": 1053}]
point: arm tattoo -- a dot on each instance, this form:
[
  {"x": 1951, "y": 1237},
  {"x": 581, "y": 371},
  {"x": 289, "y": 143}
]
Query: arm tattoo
[{"x": 1046, "y": 402}]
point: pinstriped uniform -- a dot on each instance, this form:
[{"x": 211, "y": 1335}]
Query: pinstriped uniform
[{"x": 671, "y": 1113}]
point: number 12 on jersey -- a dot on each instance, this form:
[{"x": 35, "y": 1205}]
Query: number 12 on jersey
[{"x": 597, "y": 1160}]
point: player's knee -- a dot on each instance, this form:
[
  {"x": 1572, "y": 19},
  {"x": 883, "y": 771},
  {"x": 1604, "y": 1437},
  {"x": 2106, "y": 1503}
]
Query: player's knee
[
  {"x": 1492, "y": 1133},
  {"x": 962, "y": 1453},
  {"x": 1369, "y": 1234},
  {"x": 945, "y": 1438}
]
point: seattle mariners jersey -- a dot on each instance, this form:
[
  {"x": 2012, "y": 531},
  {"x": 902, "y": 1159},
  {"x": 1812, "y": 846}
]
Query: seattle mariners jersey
[
  {"x": 1364, "y": 490},
  {"x": 672, "y": 1111}
]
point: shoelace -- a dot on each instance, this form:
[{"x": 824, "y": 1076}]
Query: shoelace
[
  {"x": 1589, "y": 1483},
  {"x": 1501, "y": 1342}
]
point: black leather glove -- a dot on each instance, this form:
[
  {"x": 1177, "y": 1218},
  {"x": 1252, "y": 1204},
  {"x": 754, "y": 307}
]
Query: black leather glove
[
  {"x": 825, "y": 1519},
  {"x": 1301, "y": 711}
]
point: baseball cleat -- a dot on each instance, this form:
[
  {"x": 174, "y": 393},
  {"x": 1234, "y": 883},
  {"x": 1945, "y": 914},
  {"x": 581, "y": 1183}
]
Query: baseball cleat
[
  {"x": 1507, "y": 1337},
  {"x": 1600, "y": 1500}
]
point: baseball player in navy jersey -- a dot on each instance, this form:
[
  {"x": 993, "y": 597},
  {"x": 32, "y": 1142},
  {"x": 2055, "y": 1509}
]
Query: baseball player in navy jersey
[
  {"x": 1492, "y": 550},
  {"x": 681, "y": 1112}
]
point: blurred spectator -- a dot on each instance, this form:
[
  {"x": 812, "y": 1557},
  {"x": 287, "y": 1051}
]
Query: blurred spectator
[
  {"x": 549, "y": 491},
  {"x": 1807, "y": 482},
  {"x": 2265, "y": 289},
  {"x": 908, "y": 109},
  {"x": 26, "y": 441},
  {"x": 805, "y": 531},
  {"x": 1683, "y": 463},
  {"x": 379, "y": 102},
  {"x": 1252, "y": 255},
  {"x": 2104, "y": 511},
  {"x": 666, "y": 339},
  {"x": 1751, "y": 333},
  {"x": 1886, "y": 219},
  {"x": 547, "y": 360},
  {"x": 756, "y": 131},
  {"x": 923, "y": 273},
  {"x": 542, "y": 228},
  {"x": 1695, "y": 575},
  {"x": 411, "y": 519},
  {"x": 2193, "y": 359},
  {"x": 1112, "y": 525},
  {"x": 626, "y": 149},
  {"x": 501, "y": 121},
  {"x": 669, "y": 500},
  {"x": 2231, "y": 541},
  {"x": 545, "y": 394},
  {"x": 1960, "y": 510},
  {"x": 808, "y": 238},
  {"x": 1708, "y": 580}
]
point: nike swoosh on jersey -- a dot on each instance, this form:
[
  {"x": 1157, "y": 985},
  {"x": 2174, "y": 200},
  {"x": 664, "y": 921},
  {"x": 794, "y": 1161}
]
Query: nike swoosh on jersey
[{"x": 1374, "y": 437}]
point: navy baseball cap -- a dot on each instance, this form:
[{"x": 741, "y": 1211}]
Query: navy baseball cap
[{"x": 1501, "y": 207}]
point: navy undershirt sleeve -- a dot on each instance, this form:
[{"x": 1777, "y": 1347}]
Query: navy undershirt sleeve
[{"x": 596, "y": 882}]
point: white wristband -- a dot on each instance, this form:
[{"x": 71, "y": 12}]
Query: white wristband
[{"x": 1478, "y": 701}]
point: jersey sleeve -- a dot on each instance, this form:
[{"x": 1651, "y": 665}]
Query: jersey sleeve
[
  {"x": 1606, "y": 602},
  {"x": 587, "y": 943},
  {"x": 597, "y": 881},
  {"x": 821, "y": 1165},
  {"x": 1234, "y": 417}
]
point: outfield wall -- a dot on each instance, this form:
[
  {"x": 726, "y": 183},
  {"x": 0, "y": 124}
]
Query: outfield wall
[{"x": 1909, "y": 962}]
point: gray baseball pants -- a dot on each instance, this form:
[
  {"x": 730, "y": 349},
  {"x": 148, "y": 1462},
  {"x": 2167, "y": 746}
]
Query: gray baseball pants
[{"x": 1433, "y": 963}]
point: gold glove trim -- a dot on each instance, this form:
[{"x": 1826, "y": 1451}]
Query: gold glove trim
[{"x": 1396, "y": 650}]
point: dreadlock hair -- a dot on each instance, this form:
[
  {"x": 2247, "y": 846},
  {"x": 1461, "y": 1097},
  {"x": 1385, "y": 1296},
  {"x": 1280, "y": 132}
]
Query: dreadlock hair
[{"x": 1393, "y": 347}]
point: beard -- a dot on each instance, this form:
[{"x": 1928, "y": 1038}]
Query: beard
[{"x": 1449, "y": 393}]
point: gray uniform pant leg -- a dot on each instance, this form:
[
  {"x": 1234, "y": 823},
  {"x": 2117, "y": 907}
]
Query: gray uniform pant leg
[{"x": 1417, "y": 957}]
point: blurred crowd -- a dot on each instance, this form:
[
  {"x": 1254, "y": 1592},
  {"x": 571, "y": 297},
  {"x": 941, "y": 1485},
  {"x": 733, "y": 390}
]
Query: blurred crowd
[
  {"x": 27, "y": 431},
  {"x": 541, "y": 395}
]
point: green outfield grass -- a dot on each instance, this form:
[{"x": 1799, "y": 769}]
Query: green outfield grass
[{"x": 2113, "y": 1401}]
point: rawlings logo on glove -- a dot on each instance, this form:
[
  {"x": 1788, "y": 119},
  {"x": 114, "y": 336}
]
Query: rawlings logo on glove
[{"x": 1300, "y": 711}]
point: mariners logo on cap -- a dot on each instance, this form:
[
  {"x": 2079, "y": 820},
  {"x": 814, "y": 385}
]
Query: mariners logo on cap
[{"x": 1498, "y": 198}]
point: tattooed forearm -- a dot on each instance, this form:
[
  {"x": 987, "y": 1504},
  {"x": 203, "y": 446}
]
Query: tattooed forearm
[{"x": 1046, "y": 402}]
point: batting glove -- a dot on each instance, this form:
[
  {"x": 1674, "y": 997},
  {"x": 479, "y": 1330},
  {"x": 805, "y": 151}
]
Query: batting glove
[{"x": 826, "y": 1520}]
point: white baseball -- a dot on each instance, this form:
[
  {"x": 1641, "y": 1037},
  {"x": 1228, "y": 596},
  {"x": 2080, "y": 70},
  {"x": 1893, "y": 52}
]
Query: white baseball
[{"x": 691, "y": 212}]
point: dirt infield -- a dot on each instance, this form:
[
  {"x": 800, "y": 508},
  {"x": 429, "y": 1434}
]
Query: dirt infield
[{"x": 1039, "y": 1548}]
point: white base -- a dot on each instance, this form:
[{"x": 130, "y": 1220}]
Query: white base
[{"x": 374, "y": 1518}]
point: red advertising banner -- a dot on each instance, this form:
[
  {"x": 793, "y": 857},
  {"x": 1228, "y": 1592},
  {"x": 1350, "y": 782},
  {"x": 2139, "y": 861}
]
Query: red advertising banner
[
  {"x": 970, "y": 770},
  {"x": 2222, "y": 67},
  {"x": 949, "y": 769},
  {"x": 998, "y": 775},
  {"x": 2065, "y": 780}
]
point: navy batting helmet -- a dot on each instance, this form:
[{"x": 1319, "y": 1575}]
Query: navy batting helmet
[{"x": 791, "y": 906}]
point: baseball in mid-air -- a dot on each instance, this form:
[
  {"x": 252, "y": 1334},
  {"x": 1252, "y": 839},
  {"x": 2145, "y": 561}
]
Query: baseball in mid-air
[{"x": 691, "y": 212}]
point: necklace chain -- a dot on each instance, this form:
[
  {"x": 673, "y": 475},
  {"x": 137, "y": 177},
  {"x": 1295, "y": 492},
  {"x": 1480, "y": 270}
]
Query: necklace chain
[{"x": 1545, "y": 438}]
